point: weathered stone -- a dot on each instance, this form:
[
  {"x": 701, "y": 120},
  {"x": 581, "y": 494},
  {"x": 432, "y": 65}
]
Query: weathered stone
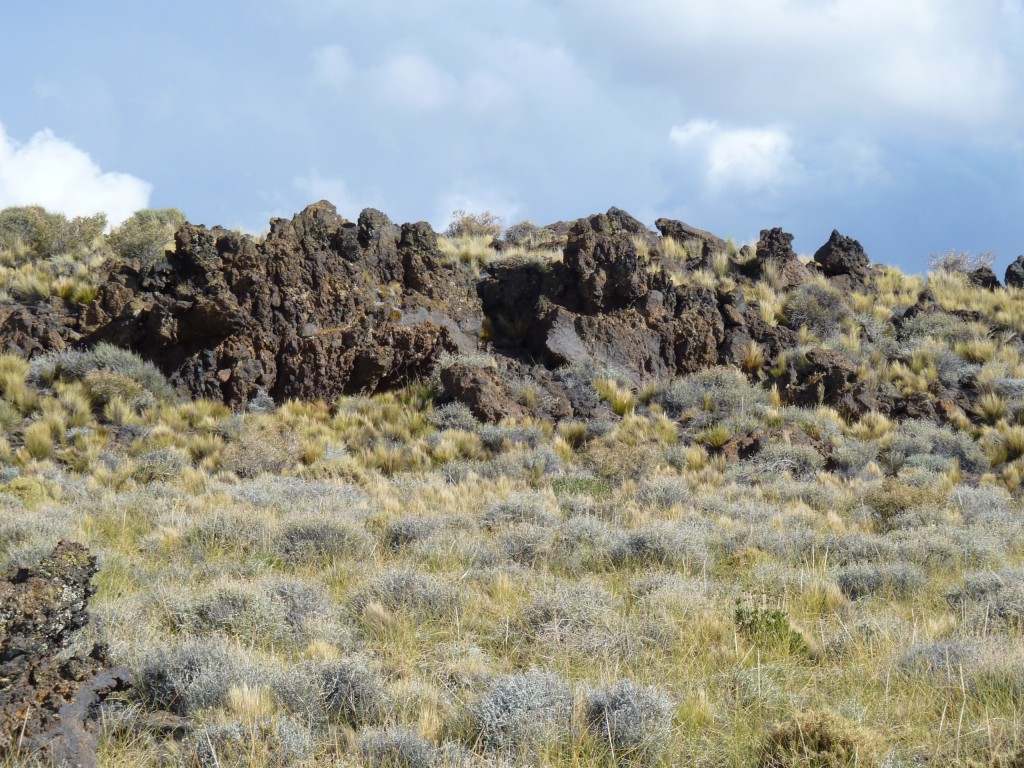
[
  {"x": 48, "y": 699},
  {"x": 1014, "y": 277},
  {"x": 323, "y": 307},
  {"x": 482, "y": 391},
  {"x": 684, "y": 234},
  {"x": 842, "y": 255},
  {"x": 775, "y": 251},
  {"x": 983, "y": 277}
]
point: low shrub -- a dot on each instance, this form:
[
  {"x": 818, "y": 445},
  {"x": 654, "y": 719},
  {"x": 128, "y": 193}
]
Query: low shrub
[
  {"x": 191, "y": 676},
  {"x": 523, "y": 712},
  {"x": 634, "y": 722}
]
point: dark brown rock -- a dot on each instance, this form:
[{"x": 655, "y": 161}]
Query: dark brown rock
[
  {"x": 323, "y": 307},
  {"x": 983, "y": 277},
  {"x": 32, "y": 329},
  {"x": 775, "y": 250},
  {"x": 843, "y": 255},
  {"x": 49, "y": 701},
  {"x": 605, "y": 304},
  {"x": 482, "y": 391},
  {"x": 684, "y": 233},
  {"x": 1014, "y": 277}
]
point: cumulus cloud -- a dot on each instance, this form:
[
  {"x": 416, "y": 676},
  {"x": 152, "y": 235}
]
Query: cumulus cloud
[
  {"x": 55, "y": 174},
  {"x": 746, "y": 158}
]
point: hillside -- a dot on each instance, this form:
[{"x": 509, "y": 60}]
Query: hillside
[{"x": 356, "y": 493}]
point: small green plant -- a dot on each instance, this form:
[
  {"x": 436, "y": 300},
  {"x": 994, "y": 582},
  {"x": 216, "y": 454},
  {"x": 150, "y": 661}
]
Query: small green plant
[{"x": 768, "y": 628}]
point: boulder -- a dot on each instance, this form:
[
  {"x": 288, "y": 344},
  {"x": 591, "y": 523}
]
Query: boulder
[
  {"x": 49, "y": 695},
  {"x": 775, "y": 251},
  {"x": 843, "y": 256},
  {"x": 1014, "y": 277},
  {"x": 983, "y": 277},
  {"x": 707, "y": 243},
  {"x": 605, "y": 304},
  {"x": 481, "y": 390}
]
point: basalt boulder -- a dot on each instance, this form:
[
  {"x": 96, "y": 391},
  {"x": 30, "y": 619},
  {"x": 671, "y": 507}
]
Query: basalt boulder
[
  {"x": 1014, "y": 277},
  {"x": 322, "y": 307},
  {"x": 843, "y": 259},
  {"x": 50, "y": 694}
]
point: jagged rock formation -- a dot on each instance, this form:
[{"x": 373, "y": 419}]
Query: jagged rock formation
[
  {"x": 776, "y": 259},
  {"x": 843, "y": 259},
  {"x": 604, "y": 304},
  {"x": 323, "y": 307},
  {"x": 48, "y": 697}
]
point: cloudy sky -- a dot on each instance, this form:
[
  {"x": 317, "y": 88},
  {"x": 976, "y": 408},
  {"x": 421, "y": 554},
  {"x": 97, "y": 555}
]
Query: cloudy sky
[{"x": 899, "y": 123}]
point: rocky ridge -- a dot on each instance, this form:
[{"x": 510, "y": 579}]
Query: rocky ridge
[{"x": 324, "y": 307}]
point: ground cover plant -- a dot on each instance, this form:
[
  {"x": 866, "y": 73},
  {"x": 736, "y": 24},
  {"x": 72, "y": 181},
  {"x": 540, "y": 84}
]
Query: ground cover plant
[{"x": 701, "y": 573}]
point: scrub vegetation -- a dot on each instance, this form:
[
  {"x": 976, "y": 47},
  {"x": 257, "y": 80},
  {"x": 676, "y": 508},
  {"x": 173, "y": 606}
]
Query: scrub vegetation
[{"x": 386, "y": 581}]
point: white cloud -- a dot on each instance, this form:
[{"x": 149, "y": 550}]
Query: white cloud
[
  {"x": 917, "y": 65},
  {"x": 55, "y": 174},
  {"x": 414, "y": 82},
  {"x": 747, "y": 158},
  {"x": 332, "y": 66}
]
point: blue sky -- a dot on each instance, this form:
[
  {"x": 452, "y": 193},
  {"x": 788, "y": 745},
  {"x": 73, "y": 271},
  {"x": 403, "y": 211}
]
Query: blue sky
[{"x": 899, "y": 123}]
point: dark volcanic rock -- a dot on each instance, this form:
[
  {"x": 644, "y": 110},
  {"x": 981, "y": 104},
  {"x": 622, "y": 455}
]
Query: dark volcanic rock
[
  {"x": 775, "y": 249},
  {"x": 48, "y": 699},
  {"x": 604, "y": 304},
  {"x": 683, "y": 233},
  {"x": 323, "y": 307},
  {"x": 32, "y": 329},
  {"x": 825, "y": 377},
  {"x": 481, "y": 390},
  {"x": 983, "y": 277},
  {"x": 1015, "y": 273},
  {"x": 843, "y": 255}
]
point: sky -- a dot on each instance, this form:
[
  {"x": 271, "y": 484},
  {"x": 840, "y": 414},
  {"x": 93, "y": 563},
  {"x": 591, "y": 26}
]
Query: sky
[{"x": 898, "y": 123}]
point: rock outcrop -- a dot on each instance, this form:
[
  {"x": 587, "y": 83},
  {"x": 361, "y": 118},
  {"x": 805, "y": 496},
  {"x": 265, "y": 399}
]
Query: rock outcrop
[
  {"x": 775, "y": 254},
  {"x": 604, "y": 303},
  {"x": 49, "y": 695},
  {"x": 843, "y": 259},
  {"x": 323, "y": 307},
  {"x": 707, "y": 243},
  {"x": 1014, "y": 277}
]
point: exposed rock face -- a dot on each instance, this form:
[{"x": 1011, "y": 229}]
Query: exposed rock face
[
  {"x": 604, "y": 304},
  {"x": 843, "y": 256},
  {"x": 1015, "y": 273},
  {"x": 29, "y": 330},
  {"x": 684, "y": 233},
  {"x": 323, "y": 307},
  {"x": 48, "y": 702},
  {"x": 775, "y": 251}
]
